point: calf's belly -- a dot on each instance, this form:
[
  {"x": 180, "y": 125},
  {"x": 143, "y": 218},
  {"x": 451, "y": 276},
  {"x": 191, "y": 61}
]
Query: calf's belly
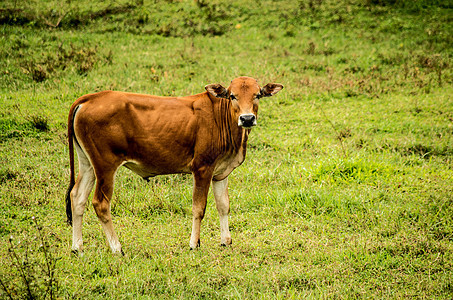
[{"x": 147, "y": 171}]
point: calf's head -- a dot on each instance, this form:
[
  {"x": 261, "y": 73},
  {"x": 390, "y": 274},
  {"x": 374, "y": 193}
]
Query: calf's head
[{"x": 244, "y": 94}]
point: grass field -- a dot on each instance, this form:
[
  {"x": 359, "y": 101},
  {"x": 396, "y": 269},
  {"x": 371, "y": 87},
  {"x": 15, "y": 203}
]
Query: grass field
[{"x": 347, "y": 188}]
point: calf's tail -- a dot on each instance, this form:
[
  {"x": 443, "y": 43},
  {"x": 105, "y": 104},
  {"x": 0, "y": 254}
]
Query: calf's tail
[{"x": 71, "y": 163}]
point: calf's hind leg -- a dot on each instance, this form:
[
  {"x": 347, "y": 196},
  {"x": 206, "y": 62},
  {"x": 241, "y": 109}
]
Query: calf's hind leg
[
  {"x": 101, "y": 202},
  {"x": 79, "y": 196}
]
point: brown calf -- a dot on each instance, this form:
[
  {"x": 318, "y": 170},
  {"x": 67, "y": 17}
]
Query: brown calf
[{"x": 204, "y": 134}]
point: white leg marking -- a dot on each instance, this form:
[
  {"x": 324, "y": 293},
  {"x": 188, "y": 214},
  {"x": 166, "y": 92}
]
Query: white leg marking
[
  {"x": 194, "y": 237},
  {"x": 220, "y": 189},
  {"x": 79, "y": 196},
  {"x": 112, "y": 238}
]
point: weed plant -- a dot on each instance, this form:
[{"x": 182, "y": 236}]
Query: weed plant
[
  {"x": 347, "y": 188},
  {"x": 30, "y": 268}
]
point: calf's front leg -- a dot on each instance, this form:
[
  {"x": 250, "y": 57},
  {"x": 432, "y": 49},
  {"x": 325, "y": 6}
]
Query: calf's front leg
[
  {"x": 222, "y": 201},
  {"x": 200, "y": 196}
]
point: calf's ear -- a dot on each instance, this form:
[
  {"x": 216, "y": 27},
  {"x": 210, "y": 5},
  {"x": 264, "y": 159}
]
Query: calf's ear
[
  {"x": 271, "y": 89},
  {"x": 217, "y": 90}
]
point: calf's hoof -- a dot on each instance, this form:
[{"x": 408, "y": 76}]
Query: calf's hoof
[
  {"x": 226, "y": 242},
  {"x": 118, "y": 252},
  {"x": 194, "y": 246},
  {"x": 77, "y": 252}
]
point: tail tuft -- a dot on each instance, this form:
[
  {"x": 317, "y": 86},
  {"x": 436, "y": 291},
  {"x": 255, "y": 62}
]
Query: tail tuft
[{"x": 68, "y": 204}]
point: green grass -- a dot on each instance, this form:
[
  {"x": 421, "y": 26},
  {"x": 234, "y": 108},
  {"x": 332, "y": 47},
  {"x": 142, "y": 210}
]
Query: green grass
[{"x": 347, "y": 188}]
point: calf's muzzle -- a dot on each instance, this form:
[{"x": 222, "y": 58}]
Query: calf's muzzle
[{"x": 247, "y": 120}]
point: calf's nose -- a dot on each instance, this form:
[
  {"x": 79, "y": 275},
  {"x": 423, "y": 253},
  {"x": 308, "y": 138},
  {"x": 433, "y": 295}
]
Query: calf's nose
[{"x": 247, "y": 120}]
